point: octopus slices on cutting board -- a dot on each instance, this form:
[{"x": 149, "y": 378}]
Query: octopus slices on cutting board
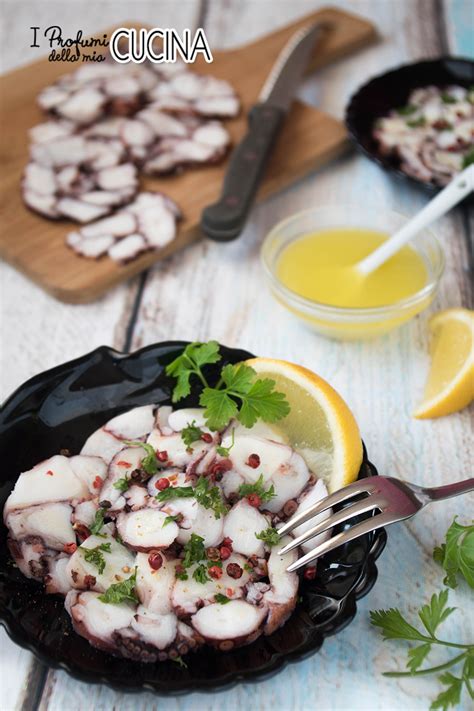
[{"x": 195, "y": 572}]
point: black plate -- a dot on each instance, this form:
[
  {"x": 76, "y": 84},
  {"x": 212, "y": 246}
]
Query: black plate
[
  {"x": 391, "y": 90},
  {"x": 60, "y": 408}
]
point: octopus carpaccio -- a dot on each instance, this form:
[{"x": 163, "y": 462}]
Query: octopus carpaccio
[
  {"x": 109, "y": 122},
  {"x": 433, "y": 135},
  {"x": 160, "y": 544}
]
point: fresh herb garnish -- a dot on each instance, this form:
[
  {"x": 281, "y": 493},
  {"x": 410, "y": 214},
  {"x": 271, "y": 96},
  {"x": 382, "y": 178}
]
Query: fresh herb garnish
[
  {"x": 417, "y": 123},
  {"x": 95, "y": 556},
  {"x": 179, "y": 661},
  {"x": 270, "y": 536},
  {"x": 447, "y": 98},
  {"x": 200, "y": 574},
  {"x": 407, "y": 110},
  {"x": 181, "y": 574},
  {"x": 239, "y": 393},
  {"x": 191, "y": 433},
  {"x": 225, "y": 451},
  {"x": 98, "y": 521},
  {"x": 121, "y": 592},
  {"x": 149, "y": 463},
  {"x": 221, "y": 599},
  {"x": 468, "y": 158},
  {"x": 456, "y": 556},
  {"x": 194, "y": 550},
  {"x": 257, "y": 488},
  {"x": 169, "y": 519},
  {"x": 209, "y": 497},
  {"x": 175, "y": 492},
  {"x": 122, "y": 484}
]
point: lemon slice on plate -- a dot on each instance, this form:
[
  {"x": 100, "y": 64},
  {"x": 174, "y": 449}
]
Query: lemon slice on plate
[
  {"x": 320, "y": 426},
  {"x": 450, "y": 385}
]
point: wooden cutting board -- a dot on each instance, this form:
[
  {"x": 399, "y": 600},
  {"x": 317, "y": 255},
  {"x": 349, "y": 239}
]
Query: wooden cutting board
[{"x": 36, "y": 247}]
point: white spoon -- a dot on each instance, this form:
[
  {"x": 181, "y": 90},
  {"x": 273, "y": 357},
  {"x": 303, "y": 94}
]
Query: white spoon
[{"x": 458, "y": 188}]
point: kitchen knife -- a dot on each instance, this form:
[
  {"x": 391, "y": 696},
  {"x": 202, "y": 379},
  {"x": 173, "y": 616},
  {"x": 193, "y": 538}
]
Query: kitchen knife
[{"x": 224, "y": 220}]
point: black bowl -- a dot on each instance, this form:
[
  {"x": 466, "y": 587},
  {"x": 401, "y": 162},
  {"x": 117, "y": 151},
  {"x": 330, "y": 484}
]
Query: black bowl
[
  {"x": 391, "y": 90},
  {"x": 59, "y": 409}
]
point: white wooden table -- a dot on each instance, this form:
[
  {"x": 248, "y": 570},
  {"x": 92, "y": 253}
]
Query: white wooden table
[{"x": 212, "y": 291}]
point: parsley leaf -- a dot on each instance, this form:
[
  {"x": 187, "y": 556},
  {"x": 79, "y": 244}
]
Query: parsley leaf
[
  {"x": 209, "y": 497},
  {"x": 257, "y": 488},
  {"x": 194, "y": 550},
  {"x": 191, "y": 433},
  {"x": 189, "y": 363},
  {"x": 417, "y": 123},
  {"x": 221, "y": 599},
  {"x": 179, "y": 661},
  {"x": 169, "y": 519},
  {"x": 200, "y": 574},
  {"x": 407, "y": 110},
  {"x": 468, "y": 158},
  {"x": 436, "y": 612},
  {"x": 225, "y": 451},
  {"x": 122, "y": 484},
  {"x": 175, "y": 492},
  {"x": 149, "y": 463},
  {"x": 417, "y": 655},
  {"x": 270, "y": 536},
  {"x": 456, "y": 556},
  {"x": 262, "y": 402},
  {"x": 451, "y": 696},
  {"x": 220, "y": 408},
  {"x": 394, "y": 626},
  {"x": 121, "y": 592},
  {"x": 98, "y": 521},
  {"x": 95, "y": 556},
  {"x": 447, "y": 98}
]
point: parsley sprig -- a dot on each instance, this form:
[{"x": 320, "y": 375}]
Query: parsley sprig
[
  {"x": 257, "y": 488},
  {"x": 456, "y": 556},
  {"x": 98, "y": 522},
  {"x": 208, "y": 496},
  {"x": 238, "y": 394},
  {"x": 191, "y": 433},
  {"x": 95, "y": 556},
  {"x": 270, "y": 536},
  {"x": 195, "y": 555},
  {"x": 121, "y": 592},
  {"x": 122, "y": 484},
  {"x": 225, "y": 451},
  {"x": 149, "y": 462}
]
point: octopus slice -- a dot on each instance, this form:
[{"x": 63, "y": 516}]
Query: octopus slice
[
  {"x": 150, "y": 222},
  {"x": 154, "y": 587},
  {"x": 282, "y": 596},
  {"x": 136, "y": 497},
  {"x": 203, "y": 523},
  {"x": 189, "y": 595},
  {"x": 102, "y": 443},
  {"x": 121, "y": 467},
  {"x": 84, "y": 513},
  {"x": 83, "y": 107},
  {"x": 179, "y": 419},
  {"x": 159, "y": 630},
  {"x": 97, "y": 621},
  {"x": 241, "y": 524},
  {"x": 194, "y": 93},
  {"x": 84, "y": 575},
  {"x": 145, "y": 529},
  {"x": 201, "y": 147},
  {"x": 231, "y": 625},
  {"x": 137, "y": 423},
  {"x": 57, "y": 581},
  {"x": 50, "y": 522},
  {"x": 31, "y": 556},
  {"x": 90, "y": 470},
  {"x": 49, "y": 481}
]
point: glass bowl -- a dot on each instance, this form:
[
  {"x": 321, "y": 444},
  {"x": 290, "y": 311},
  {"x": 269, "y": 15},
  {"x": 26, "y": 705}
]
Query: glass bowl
[{"x": 348, "y": 323}]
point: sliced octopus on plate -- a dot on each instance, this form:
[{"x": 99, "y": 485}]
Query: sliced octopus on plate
[
  {"x": 148, "y": 223},
  {"x": 157, "y": 541}
]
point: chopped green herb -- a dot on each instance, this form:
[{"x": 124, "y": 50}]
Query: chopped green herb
[
  {"x": 175, "y": 492},
  {"x": 169, "y": 519},
  {"x": 239, "y": 393},
  {"x": 417, "y": 123},
  {"x": 181, "y": 574},
  {"x": 447, "y": 98},
  {"x": 194, "y": 551},
  {"x": 257, "y": 488},
  {"x": 191, "y": 433},
  {"x": 180, "y": 662},
  {"x": 270, "y": 536},
  {"x": 149, "y": 463},
  {"x": 121, "y": 592},
  {"x": 209, "y": 497},
  {"x": 456, "y": 556},
  {"x": 122, "y": 484},
  {"x": 98, "y": 521},
  {"x": 200, "y": 574},
  {"x": 95, "y": 556},
  {"x": 221, "y": 599},
  {"x": 225, "y": 451},
  {"x": 407, "y": 110},
  {"x": 468, "y": 158},
  {"x": 248, "y": 567}
]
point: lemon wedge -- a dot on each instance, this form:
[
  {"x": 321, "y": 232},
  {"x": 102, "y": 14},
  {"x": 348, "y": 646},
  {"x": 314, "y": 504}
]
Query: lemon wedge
[
  {"x": 320, "y": 426},
  {"x": 450, "y": 385}
]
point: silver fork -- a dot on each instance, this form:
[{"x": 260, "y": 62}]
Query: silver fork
[{"x": 396, "y": 500}]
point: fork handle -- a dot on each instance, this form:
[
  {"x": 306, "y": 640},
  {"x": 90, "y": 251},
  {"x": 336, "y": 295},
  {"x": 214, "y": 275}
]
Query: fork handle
[{"x": 438, "y": 493}]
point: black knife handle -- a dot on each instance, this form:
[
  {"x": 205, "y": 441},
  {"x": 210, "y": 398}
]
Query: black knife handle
[{"x": 225, "y": 220}]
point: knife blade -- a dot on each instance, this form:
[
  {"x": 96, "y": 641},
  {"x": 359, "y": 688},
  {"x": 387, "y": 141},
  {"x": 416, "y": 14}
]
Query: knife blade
[{"x": 224, "y": 220}]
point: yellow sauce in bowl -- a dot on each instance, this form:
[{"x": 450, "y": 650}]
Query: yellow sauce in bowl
[{"x": 320, "y": 266}]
